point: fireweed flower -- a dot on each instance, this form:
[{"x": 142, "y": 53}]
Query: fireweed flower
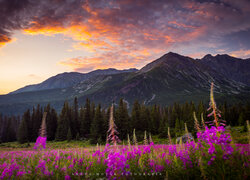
[
  {"x": 40, "y": 143},
  {"x": 67, "y": 177},
  {"x": 41, "y": 140},
  {"x": 117, "y": 165},
  {"x": 215, "y": 137}
]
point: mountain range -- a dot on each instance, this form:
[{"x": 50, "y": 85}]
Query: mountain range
[{"x": 171, "y": 78}]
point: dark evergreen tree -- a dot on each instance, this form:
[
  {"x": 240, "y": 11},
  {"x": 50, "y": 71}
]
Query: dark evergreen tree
[
  {"x": 75, "y": 120},
  {"x": 136, "y": 117},
  {"x": 241, "y": 120},
  {"x": 78, "y": 136},
  {"x": 145, "y": 119},
  {"x": 63, "y": 123},
  {"x": 86, "y": 120},
  {"x": 177, "y": 127},
  {"x": 9, "y": 131},
  {"x": 33, "y": 122},
  {"x": 105, "y": 125},
  {"x": 36, "y": 122},
  {"x": 92, "y": 112},
  {"x": 96, "y": 125},
  {"x": 23, "y": 135},
  {"x": 81, "y": 122},
  {"x": 1, "y": 128},
  {"x": 122, "y": 119},
  {"x": 155, "y": 119},
  {"x": 69, "y": 135},
  {"x": 51, "y": 123}
]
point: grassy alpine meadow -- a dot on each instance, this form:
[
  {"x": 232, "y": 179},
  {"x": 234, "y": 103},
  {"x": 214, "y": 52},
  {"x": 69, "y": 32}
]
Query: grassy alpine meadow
[
  {"x": 214, "y": 154},
  {"x": 211, "y": 157}
]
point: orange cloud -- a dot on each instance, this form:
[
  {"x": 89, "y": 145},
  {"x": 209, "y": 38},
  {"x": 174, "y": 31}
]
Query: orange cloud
[
  {"x": 4, "y": 40},
  {"x": 77, "y": 32},
  {"x": 135, "y": 32},
  {"x": 241, "y": 53},
  {"x": 120, "y": 60},
  {"x": 92, "y": 45}
]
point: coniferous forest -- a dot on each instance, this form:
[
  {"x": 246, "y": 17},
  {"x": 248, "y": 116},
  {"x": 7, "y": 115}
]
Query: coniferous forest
[{"x": 90, "y": 122}]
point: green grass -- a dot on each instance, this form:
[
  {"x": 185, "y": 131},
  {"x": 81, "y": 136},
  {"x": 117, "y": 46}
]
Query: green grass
[
  {"x": 237, "y": 133},
  {"x": 50, "y": 145}
]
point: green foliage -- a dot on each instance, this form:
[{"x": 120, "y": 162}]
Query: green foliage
[
  {"x": 69, "y": 135},
  {"x": 85, "y": 119},
  {"x": 51, "y": 122},
  {"x": 23, "y": 133},
  {"x": 91, "y": 123},
  {"x": 122, "y": 119},
  {"x": 97, "y": 126},
  {"x": 78, "y": 136},
  {"x": 241, "y": 119},
  {"x": 136, "y": 116},
  {"x": 63, "y": 123}
]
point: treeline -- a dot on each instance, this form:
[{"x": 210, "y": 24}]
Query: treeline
[{"x": 91, "y": 121}]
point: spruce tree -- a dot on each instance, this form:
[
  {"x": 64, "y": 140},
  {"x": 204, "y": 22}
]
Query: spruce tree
[
  {"x": 136, "y": 117},
  {"x": 69, "y": 135},
  {"x": 23, "y": 135},
  {"x": 36, "y": 122},
  {"x": 177, "y": 127},
  {"x": 105, "y": 123},
  {"x": 81, "y": 121},
  {"x": 75, "y": 120},
  {"x": 63, "y": 123},
  {"x": 122, "y": 119},
  {"x": 145, "y": 118},
  {"x": 86, "y": 120},
  {"x": 78, "y": 136},
  {"x": 155, "y": 119},
  {"x": 51, "y": 122},
  {"x": 10, "y": 132},
  {"x": 96, "y": 125},
  {"x": 241, "y": 119}
]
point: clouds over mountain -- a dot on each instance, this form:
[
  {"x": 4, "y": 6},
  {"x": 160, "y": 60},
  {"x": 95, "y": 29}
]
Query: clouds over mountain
[{"x": 133, "y": 29}]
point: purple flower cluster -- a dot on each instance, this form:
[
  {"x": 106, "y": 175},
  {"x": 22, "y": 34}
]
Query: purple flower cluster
[
  {"x": 215, "y": 137},
  {"x": 117, "y": 165},
  {"x": 118, "y": 162},
  {"x": 40, "y": 143}
]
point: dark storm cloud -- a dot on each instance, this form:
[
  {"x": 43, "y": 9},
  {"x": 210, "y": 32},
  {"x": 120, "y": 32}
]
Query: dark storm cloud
[
  {"x": 144, "y": 27},
  {"x": 11, "y": 17},
  {"x": 19, "y": 14}
]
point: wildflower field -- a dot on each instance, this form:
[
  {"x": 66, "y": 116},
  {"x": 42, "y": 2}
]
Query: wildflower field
[{"x": 212, "y": 157}]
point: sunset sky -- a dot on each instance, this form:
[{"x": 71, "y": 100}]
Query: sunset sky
[{"x": 39, "y": 39}]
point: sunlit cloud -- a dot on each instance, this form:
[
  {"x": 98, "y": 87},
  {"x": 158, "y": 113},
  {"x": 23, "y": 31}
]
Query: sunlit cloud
[
  {"x": 4, "y": 40},
  {"x": 241, "y": 53},
  {"x": 123, "y": 60},
  {"x": 124, "y": 33}
]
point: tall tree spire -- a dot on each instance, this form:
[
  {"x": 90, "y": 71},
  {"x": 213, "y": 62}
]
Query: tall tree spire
[
  {"x": 112, "y": 132},
  {"x": 41, "y": 140},
  {"x": 42, "y": 131}
]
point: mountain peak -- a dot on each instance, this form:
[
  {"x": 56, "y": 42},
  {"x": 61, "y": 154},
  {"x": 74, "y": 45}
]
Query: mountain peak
[
  {"x": 170, "y": 59},
  {"x": 208, "y": 56},
  {"x": 172, "y": 55},
  {"x": 220, "y": 58}
]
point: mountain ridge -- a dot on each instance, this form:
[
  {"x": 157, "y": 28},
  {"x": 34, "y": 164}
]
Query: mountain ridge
[
  {"x": 170, "y": 78},
  {"x": 68, "y": 79}
]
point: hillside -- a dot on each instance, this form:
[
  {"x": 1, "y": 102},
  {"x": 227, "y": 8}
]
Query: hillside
[{"x": 171, "y": 78}]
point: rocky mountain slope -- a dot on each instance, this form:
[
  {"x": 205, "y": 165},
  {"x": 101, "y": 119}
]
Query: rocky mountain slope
[{"x": 171, "y": 78}]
